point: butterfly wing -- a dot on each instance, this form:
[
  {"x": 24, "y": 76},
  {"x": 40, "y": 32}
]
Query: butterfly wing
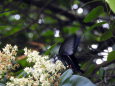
[
  {"x": 67, "y": 47},
  {"x": 67, "y": 50}
]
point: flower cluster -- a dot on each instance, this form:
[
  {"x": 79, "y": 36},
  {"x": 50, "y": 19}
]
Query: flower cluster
[
  {"x": 43, "y": 73},
  {"x": 6, "y": 56}
]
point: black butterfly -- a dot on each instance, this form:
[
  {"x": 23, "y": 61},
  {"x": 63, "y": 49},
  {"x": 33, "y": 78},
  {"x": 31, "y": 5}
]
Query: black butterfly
[{"x": 67, "y": 50}]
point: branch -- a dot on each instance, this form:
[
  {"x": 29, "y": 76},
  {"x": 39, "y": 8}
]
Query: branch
[
  {"x": 101, "y": 46},
  {"x": 20, "y": 31},
  {"x": 102, "y": 65},
  {"x": 57, "y": 10}
]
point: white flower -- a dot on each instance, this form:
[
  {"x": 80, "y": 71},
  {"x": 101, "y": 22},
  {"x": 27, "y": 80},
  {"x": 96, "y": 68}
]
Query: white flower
[
  {"x": 25, "y": 51},
  {"x": 42, "y": 73},
  {"x": 15, "y": 48},
  {"x": 7, "y": 54},
  {"x": 59, "y": 65},
  {"x": 46, "y": 83},
  {"x": 10, "y": 84},
  {"x": 11, "y": 78},
  {"x": 28, "y": 70}
]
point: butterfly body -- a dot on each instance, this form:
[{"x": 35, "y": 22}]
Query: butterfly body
[{"x": 67, "y": 50}]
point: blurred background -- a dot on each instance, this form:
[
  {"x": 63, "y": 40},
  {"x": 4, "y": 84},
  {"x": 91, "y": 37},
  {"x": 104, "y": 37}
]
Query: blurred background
[{"x": 44, "y": 24}]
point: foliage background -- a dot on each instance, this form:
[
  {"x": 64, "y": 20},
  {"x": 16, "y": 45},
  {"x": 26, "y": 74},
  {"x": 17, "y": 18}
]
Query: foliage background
[{"x": 35, "y": 23}]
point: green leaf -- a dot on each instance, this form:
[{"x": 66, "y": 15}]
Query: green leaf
[
  {"x": 65, "y": 76},
  {"x": 90, "y": 69},
  {"x": 49, "y": 50},
  {"x": 65, "y": 5},
  {"x": 96, "y": 25},
  {"x": 70, "y": 30},
  {"x": 101, "y": 73},
  {"x": 58, "y": 39},
  {"x": 112, "y": 80},
  {"x": 11, "y": 30},
  {"x": 111, "y": 56},
  {"x": 14, "y": 30},
  {"x": 34, "y": 26},
  {"x": 106, "y": 36},
  {"x": 49, "y": 20},
  {"x": 111, "y": 4},
  {"x": 4, "y": 27},
  {"x": 48, "y": 33},
  {"x": 1, "y": 84},
  {"x": 67, "y": 79},
  {"x": 7, "y": 13},
  {"x": 22, "y": 74},
  {"x": 89, "y": 36},
  {"x": 94, "y": 14},
  {"x": 24, "y": 63},
  {"x": 18, "y": 72},
  {"x": 77, "y": 80}
]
